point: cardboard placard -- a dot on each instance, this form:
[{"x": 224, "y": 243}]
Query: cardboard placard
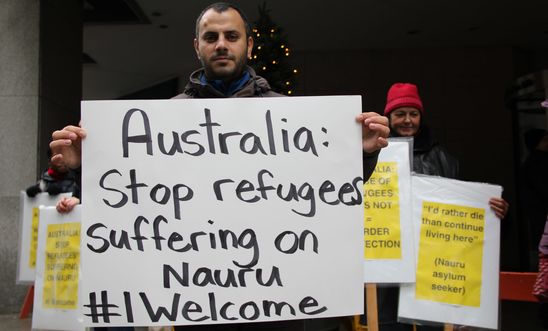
[
  {"x": 57, "y": 289},
  {"x": 221, "y": 210},
  {"x": 28, "y": 232},
  {"x": 388, "y": 228},
  {"x": 457, "y": 254}
]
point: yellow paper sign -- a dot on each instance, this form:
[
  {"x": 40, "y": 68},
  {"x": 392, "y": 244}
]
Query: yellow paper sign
[
  {"x": 61, "y": 266},
  {"x": 381, "y": 232},
  {"x": 450, "y": 254},
  {"x": 33, "y": 237}
]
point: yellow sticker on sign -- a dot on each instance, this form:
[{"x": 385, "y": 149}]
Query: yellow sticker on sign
[
  {"x": 33, "y": 237},
  {"x": 450, "y": 254},
  {"x": 381, "y": 231},
  {"x": 61, "y": 266}
]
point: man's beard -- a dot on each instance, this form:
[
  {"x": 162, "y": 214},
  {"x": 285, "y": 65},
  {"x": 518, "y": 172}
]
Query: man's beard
[{"x": 226, "y": 76}]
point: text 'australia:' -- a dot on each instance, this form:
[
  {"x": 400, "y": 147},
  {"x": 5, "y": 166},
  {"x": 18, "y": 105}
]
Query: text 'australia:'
[{"x": 209, "y": 137}]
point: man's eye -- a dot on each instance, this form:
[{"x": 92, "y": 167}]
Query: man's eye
[
  {"x": 232, "y": 37},
  {"x": 209, "y": 38}
]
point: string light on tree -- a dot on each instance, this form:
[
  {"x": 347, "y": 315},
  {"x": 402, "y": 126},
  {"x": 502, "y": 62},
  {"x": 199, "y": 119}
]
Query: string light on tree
[{"x": 271, "y": 54}]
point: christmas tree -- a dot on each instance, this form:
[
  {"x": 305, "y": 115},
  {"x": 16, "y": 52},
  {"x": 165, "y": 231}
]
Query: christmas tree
[{"x": 270, "y": 54}]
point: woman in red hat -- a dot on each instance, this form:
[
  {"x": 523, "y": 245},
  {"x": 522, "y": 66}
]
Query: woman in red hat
[{"x": 404, "y": 111}]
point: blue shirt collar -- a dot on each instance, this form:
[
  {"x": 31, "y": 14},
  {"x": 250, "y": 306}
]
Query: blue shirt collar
[{"x": 227, "y": 90}]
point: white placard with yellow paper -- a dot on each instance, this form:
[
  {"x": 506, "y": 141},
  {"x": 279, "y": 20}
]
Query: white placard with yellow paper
[
  {"x": 388, "y": 230},
  {"x": 57, "y": 293},
  {"x": 28, "y": 232},
  {"x": 458, "y": 239}
]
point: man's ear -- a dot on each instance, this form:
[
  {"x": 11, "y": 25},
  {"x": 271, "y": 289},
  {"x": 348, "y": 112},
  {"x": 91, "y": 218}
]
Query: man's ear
[
  {"x": 249, "y": 46},
  {"x": 196, "y": 48}
]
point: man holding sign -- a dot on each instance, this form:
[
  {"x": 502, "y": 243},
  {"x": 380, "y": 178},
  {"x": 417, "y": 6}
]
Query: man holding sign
[{"x": 223, "y": 44}]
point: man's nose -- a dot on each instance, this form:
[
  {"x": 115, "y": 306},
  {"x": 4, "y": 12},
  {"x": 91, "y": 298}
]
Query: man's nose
[{"x": 221, "y": 43}]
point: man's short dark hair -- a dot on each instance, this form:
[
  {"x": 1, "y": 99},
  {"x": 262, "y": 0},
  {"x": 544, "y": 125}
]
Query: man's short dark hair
[{"x": 220, "y": 7}]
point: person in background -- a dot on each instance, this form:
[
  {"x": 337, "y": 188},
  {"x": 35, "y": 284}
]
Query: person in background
[
  {"x": 57, "y": 178},
  {"x": 405, "y": 113},
  {"x": 533, "y": 184},
  {"x": 534, "y": 199}
]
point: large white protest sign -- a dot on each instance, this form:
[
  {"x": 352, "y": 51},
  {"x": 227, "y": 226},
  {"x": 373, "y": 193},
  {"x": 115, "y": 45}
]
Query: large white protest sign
[
  {"x": 221, "y": 210},
  {"x": 457, "y": 254},
  {"x": 28, "y": 232},
  {"x": 56, "y": 289},
  {"x": 388, "y": 228}
]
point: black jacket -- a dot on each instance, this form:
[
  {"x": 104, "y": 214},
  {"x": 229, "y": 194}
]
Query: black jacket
[
  {"x": 430, "y": 158},
  {"x": 257, "y": 86},
  {"x": 64, "y": 183}
]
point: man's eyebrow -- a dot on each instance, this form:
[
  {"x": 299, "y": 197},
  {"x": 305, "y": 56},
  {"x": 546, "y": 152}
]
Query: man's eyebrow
[{"x": 209, "y": 33}]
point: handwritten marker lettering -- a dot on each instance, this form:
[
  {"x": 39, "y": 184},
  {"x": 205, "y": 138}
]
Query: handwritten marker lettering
[{"x": 104, "y": 306}]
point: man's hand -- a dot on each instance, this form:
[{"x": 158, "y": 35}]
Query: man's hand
[
  {"x": 66, "y": 145},
  {"x": 375, "y": 130},
  {"x": 499, "y": 206}
]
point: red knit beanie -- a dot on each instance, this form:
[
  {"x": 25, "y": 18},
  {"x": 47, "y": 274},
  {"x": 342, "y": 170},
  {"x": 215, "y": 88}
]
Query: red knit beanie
[{"x": 402, "y": 95}]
